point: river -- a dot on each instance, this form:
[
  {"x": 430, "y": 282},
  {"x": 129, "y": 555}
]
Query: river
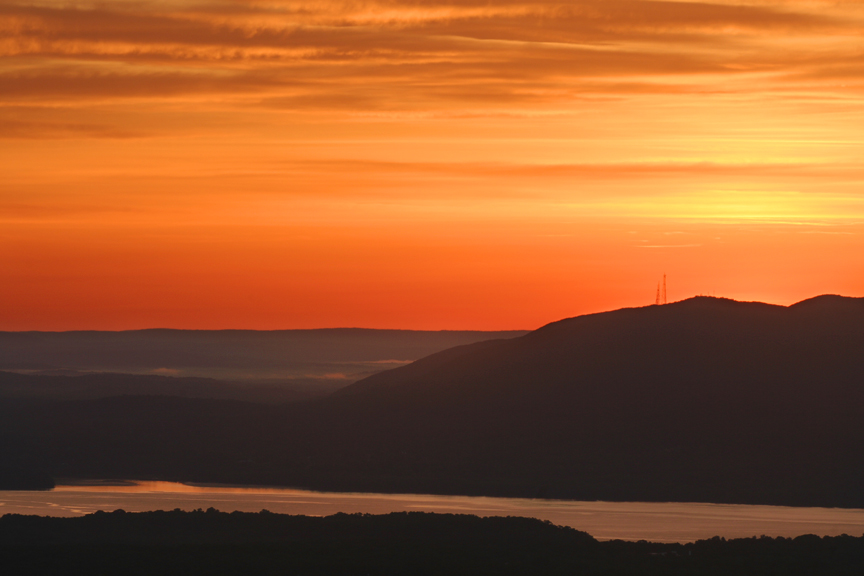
[{"x": 657, "y": 522}]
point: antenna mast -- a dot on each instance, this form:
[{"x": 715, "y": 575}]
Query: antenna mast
[
  {"x": 657, "y": 299},
  {"x": 664, "y": 288}
]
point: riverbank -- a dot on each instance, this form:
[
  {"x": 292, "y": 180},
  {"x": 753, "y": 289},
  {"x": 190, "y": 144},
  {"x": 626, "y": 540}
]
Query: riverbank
[
  {"x": 215, "y": 543},
  {"x": 652, "y": 521}
]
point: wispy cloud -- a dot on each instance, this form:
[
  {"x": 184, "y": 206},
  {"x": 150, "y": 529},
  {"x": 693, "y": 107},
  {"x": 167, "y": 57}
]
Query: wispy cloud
[
  {"x": 427, "y": 53},
  {"x": 668, "y": 245},
  {"x": 384, "y": 162}
]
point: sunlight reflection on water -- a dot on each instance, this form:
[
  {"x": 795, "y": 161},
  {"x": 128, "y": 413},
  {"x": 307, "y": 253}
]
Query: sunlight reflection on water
[{"x": 659, "y": 522}]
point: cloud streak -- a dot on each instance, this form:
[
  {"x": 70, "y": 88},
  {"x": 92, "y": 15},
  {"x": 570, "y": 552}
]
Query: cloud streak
[
  {"x": 427, "y": 53},
  {"x": 386, "y": 162}
]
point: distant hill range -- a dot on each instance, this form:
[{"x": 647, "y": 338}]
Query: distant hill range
[
  {"x": 701, "y": 400},
  {"x": 266, "y": 366}
]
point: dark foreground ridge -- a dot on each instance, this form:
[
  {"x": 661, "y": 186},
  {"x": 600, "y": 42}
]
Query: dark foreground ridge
[
  {"x": 704, "y": 400},
  {"x": 216, "y": 543}
]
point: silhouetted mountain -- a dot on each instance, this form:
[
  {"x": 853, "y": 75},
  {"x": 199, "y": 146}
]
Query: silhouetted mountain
[
  {"x": 704, "y": 399},
  {"x": 701, "y": 400}
]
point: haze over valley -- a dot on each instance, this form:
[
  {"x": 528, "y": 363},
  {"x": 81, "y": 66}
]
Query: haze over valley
[{"x": 257, "y": 366}]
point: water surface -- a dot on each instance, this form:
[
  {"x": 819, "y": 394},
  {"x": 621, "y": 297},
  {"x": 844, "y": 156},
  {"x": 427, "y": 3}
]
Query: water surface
[{"x": 658, "y": 522}]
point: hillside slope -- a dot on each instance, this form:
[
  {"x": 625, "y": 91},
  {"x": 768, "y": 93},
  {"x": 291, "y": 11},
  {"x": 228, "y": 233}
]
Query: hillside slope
[
  {"x": 701, "y": 400},
  {"x": 704, "y": 399}
]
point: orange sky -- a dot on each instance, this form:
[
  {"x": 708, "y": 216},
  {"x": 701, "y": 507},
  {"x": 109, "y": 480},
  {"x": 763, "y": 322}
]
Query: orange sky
[{"x": 413, "y": 164}]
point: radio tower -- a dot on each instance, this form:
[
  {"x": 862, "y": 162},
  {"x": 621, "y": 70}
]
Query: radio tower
[
  {"x": 664, "y": 288},
  {"x": 657, "y": 299}
]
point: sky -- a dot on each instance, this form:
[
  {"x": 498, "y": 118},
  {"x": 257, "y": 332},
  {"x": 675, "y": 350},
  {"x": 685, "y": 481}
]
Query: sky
[{"x": 428, "y": 165}]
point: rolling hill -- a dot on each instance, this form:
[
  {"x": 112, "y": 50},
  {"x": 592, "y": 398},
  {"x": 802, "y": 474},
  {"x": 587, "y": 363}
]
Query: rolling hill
[{"x": 701, "y": 400}]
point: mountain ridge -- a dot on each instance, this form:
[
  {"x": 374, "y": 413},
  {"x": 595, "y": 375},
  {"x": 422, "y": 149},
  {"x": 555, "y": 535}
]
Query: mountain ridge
[
  {"x": 703, "y": 400},
  {"x": 669, "y": 391}
]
